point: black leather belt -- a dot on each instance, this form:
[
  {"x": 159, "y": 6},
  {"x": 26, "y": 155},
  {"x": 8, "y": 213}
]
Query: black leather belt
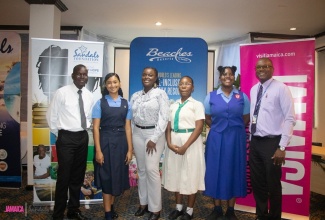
[
  {"x": 145, "y": 127},
  {"x": 266, "y": 137},
  {"x": 73, "y": 132}
]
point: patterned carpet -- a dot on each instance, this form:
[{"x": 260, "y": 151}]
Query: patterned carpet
[{"x": 126, "y": 205}]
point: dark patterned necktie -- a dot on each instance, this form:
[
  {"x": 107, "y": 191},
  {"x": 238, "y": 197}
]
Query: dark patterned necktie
[
  {"x": 82, "y": 111},
  {"x": 257, "y": 108}
]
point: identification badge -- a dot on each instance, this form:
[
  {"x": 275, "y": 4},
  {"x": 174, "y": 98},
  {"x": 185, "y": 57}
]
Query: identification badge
[{"x": 254, "y": 119}]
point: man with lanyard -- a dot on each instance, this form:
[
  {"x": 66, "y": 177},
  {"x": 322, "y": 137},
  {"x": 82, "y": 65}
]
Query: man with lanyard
[
  {"x": 69, "y": 116},
  {"x": 272, "y": 121}
]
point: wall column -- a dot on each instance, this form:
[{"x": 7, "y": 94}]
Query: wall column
[{"x": 44, "y": 22}]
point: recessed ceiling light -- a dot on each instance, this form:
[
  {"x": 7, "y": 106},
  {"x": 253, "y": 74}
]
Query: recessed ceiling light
[
  {"x": 158, "y": 23},
  {"x": 293, "y": 29}
]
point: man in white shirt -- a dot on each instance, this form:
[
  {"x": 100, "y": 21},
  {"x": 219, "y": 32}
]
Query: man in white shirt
[
  {"x": 69, "y": 117},
  {"x": 42, "y": 163}
]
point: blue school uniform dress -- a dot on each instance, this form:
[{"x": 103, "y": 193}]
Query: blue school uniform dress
[
  {"x": 113, "y": 175},
  {"x": 225, "y": 153}
]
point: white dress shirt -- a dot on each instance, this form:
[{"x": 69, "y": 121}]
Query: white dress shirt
[{"x": 64, "y": 113}]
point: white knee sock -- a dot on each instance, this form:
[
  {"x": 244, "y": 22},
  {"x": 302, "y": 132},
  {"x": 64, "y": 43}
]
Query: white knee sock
[
  {"x": 189, "y": 211},
  {"x": 179, "y": 207}
]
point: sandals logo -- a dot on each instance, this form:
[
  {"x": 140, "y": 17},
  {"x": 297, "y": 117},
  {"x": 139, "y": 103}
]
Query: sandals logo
[
  {"x": 179, "y": 55},
  {"x": 82, "y": 54},
  {"x": 4, "y": 48}
]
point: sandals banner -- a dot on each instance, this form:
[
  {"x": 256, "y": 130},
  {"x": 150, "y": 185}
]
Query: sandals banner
[{"x": 51, "y": 67}]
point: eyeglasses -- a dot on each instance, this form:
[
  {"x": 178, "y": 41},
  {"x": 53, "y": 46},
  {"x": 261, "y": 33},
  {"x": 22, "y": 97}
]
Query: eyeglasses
[
  {"x": 184, "y": 84},
  {"x": 264, "y": 67}
]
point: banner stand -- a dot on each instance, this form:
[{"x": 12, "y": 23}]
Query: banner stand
[
  {"x": 294, "y": 65},
  {"x": 10, "y": 99},
  {"x": 51, "y": 67}
]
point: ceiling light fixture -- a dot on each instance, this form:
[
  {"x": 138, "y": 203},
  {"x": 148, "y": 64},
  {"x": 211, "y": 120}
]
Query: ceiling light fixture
[
  {"x": 293, "y": 29},
  {"x": 158, "y": 23}
]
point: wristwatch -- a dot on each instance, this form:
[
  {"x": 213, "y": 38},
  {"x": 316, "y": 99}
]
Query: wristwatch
[{"x": 282, "y": 148}]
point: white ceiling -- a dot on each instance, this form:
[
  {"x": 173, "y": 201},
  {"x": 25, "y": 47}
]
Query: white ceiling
[{"x": 211, "y": 20}]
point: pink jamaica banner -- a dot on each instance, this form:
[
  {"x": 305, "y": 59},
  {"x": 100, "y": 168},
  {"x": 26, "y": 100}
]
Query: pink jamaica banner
[{"x": 293, "y": 63}]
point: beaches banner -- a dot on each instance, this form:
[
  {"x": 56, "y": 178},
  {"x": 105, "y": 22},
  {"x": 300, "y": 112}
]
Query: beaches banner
[
  {"x": 294, "y": 65},
  {"x": 10, "y": 66},
  {"x": 174, "y": 58}
]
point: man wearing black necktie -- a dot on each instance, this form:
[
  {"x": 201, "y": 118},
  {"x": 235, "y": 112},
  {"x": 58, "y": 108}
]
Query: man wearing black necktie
[
  {"x": 272, "y": 121},
  {"x": 69, "y": 116}
]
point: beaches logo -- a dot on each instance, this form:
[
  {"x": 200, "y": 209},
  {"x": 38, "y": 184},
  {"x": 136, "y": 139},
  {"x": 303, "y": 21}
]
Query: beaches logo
[
  {"x": 82, "y": 54},
  {"x": 179, "y": 55}
]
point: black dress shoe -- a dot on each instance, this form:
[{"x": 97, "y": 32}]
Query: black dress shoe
[
  {"x": 215, "y": 215},
  {"x": 154, "y": 216},
  {"x": 230, "y": 215},
  {"x": 77, "y": 215},
  {"x": 175, "y": 214},
  {"x": 261, "y": 218},
  {"x": 141, "y": 211},
  {"x": 186, "y": 216},
  {"x": 114, "y": 215}
]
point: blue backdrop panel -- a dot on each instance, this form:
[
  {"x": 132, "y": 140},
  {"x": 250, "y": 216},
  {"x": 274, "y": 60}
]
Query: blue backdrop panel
[{"x": 173, "y": 58}]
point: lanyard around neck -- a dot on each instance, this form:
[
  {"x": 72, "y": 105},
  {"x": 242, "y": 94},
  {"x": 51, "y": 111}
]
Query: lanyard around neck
[{"x": 264, "y": 91}]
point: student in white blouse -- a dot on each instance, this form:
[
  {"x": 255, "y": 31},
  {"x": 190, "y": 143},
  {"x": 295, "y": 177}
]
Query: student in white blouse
[
  {"x": 150, "y": 109},
  {"x": 184, "y": 164}
]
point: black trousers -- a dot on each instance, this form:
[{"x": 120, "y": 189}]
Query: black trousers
[
  {"x": 266, "y": 177},
  {"x": 72, "y": 148}
]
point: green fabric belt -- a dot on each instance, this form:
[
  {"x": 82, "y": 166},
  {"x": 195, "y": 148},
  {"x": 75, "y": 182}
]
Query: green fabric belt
[{"x": 183, "y": 130}]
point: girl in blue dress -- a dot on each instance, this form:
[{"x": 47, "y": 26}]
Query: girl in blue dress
[
  {"x": 113, "y": 143},
  {"x": 226, "y": 113}
]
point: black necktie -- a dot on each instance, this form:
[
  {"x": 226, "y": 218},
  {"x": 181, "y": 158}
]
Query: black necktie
[
  {"x": 82, "y": 111},
  {"x": 257, "y": 108}
]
